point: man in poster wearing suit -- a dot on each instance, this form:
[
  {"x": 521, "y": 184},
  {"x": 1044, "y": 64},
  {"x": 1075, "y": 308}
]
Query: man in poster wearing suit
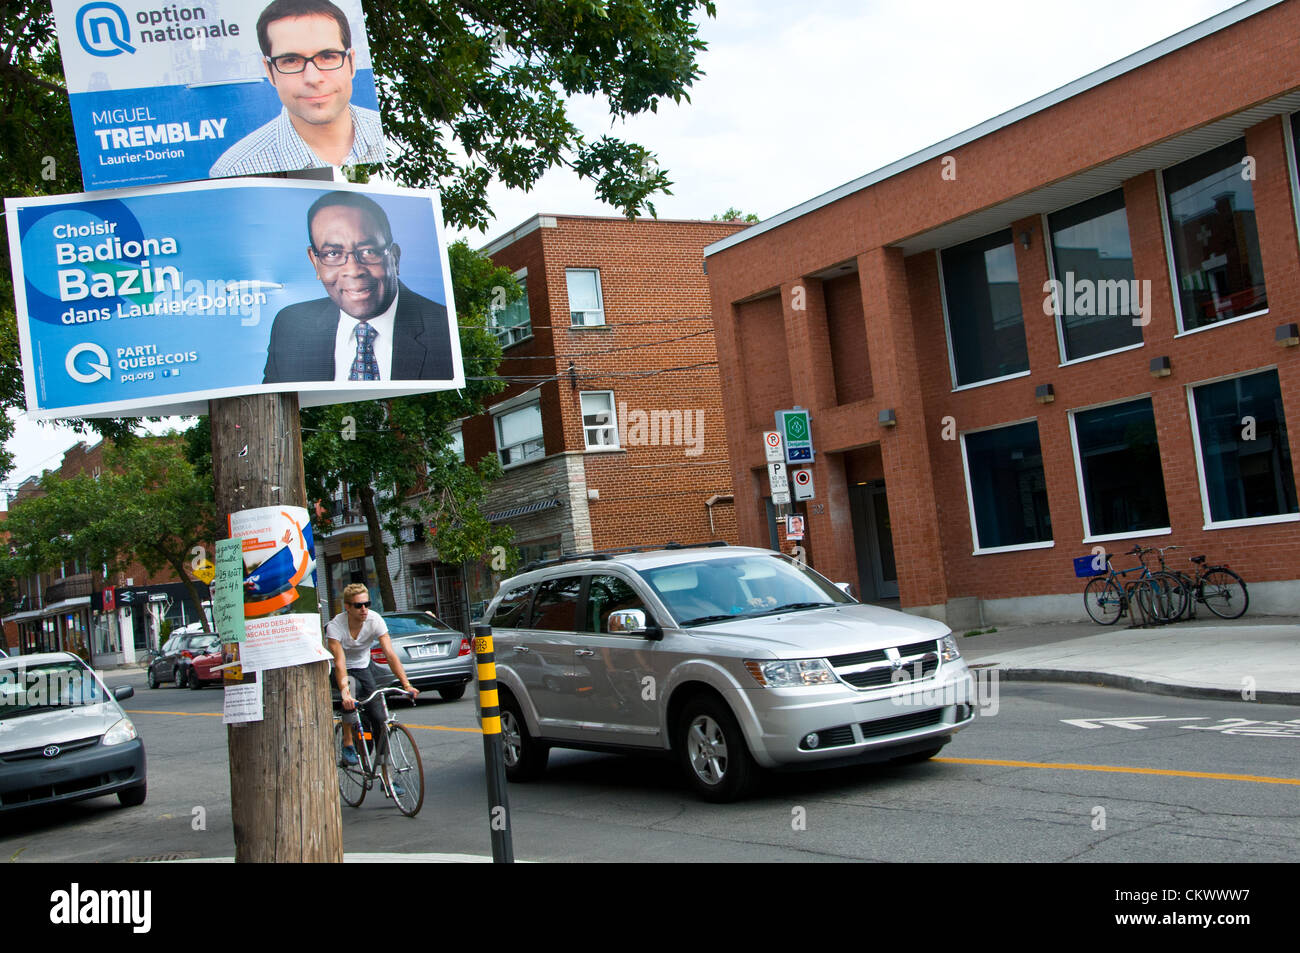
[{"x": 371, "y": 327}]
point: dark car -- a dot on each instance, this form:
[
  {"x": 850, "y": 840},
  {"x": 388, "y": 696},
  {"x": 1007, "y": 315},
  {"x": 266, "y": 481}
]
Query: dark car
[
  {"x": 63, "y": 735},
  {"x": 433, "y": 655},
  {"x": 172, "y": 662}
]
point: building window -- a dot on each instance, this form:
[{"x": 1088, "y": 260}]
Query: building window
[
  {"x": 1096, "y": 296},
  {"x": 986, "y": 330},
  {"x": 1121, "y": 482},
  {"x": 1211, "y": 208},
  {"x": 519, "y": 434},
  {"x": 1008, "y": 491},
  {"x": 599, "y": 429},
  {"x": 1243, "y": 451},
  {"x": 586, "y": 306},
  {"x": 456, "y": 441},
  {"x": 512, "y": 323}
]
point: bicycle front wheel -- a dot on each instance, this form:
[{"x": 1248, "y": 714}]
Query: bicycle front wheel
[
  {"x": 352, "y": 777},
  {"x": 1224, "y": 593},
  {"x": 1104, "y": 601},
  {"x": 404, "y": 770}
]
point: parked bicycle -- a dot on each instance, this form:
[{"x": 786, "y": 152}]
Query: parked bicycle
[
  {"x": 1158, "y": 596},
  {"x": 401, "y": 775},
  {"x": 1220, "y": 589}
]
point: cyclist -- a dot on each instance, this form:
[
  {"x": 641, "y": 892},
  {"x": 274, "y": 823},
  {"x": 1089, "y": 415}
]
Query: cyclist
[{"x": 352, "y": 633}]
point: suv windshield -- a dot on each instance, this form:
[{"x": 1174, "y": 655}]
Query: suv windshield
[
  {"x": 32, "y": 688},
  {"x": 717, "y": 589}
]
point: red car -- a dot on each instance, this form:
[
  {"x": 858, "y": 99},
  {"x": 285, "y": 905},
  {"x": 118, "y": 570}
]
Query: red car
[{"x": 203, "y": 668}]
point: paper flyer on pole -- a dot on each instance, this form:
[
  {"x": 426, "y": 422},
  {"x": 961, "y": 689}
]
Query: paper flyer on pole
[
  {"x": 155, "y": 301},
  {"x": 169, "y": 92},
  {"x": 281, "y": 619}
]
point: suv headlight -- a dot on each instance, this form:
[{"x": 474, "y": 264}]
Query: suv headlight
[
  {"x": 948, "y": 648},
  {"x": 120, "y": 733},
  {"x": 793, "y": 673}
]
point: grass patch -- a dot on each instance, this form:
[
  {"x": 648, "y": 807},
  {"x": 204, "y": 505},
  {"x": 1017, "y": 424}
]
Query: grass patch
[{"x": 967, "y": 635}]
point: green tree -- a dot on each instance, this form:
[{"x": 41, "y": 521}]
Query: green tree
[
  {"x": 733, "y": 214},
  {"x": 395, "y": 454},
  {"x": 147, "y": 506},
  {"x": 472, "y": 91}
]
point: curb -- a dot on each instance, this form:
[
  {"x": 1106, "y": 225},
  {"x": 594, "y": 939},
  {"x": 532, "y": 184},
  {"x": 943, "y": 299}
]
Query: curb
[{"x": 1135, "y": 684}]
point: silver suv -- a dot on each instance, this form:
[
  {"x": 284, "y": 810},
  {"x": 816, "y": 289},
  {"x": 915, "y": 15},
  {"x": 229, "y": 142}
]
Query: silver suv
[{"x": 729, "y": 658}]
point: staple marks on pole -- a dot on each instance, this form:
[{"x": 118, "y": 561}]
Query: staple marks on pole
[{"x": 493, "y": 747}]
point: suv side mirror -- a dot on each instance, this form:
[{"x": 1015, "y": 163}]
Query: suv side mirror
[
  {"x": 633, "y": 622},
  {"x": 846, "y": 588}
]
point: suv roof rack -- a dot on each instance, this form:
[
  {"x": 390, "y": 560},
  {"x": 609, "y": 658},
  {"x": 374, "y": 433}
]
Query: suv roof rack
[{"x": 618, "y": 551}]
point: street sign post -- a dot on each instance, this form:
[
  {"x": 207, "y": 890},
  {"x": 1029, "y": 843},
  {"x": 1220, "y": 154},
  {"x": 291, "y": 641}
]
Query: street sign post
[
  {"x": 803, "y": 484},
  {"x": 779, "y": 482},
  {"x": 773, "y": 451}
]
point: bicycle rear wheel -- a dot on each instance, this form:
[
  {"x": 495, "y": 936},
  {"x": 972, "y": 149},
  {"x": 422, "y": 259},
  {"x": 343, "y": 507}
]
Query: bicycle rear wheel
[
  {"x": 1104, "y": 601},
  {"x": 1171, "y": 600},
  {"x": 352, "y": 778},
  {"x": 1224, "y": 593},
  {"x": 405, "y": 768}
]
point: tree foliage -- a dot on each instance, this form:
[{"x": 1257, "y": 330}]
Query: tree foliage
[
  {"x": 147, "y": 506},
  {"x": 733, "y": 214}
]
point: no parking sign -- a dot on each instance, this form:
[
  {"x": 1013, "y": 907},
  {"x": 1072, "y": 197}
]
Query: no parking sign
[{"x": 803, "y": 484}]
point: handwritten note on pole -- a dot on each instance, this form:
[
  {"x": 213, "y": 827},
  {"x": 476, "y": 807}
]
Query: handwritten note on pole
[{"x": 228, "y": 590}]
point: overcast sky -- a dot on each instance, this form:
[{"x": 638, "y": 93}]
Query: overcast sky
[{"x": 800, "y": 97}]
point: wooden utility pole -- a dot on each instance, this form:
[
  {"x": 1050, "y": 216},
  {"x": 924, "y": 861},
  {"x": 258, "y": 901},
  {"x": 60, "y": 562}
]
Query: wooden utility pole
[{"x": 284, "y": 790}]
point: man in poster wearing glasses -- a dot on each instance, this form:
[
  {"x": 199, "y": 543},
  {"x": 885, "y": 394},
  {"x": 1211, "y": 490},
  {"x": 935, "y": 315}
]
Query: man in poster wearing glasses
[
  {"x": 370, "y": 327},
  {"x": 307, "y": 51}
]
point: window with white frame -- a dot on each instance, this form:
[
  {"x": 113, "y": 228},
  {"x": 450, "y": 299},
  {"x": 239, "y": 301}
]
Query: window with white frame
[
  {"x": 586, "y": 305},
  {"x": 513, "y": 323},
  {"x": 456, "y": 441},
  {"x": 599, "y": 428},
  {"x": 1120, "y": 478},
  {"x": 519, "y": 434},
  {"x": 1097, "y": 300},
  {"x": 1008, "y": 489},
  {"x": 1211, "y": 207},
  {"x": 1243, "y": 451},
  {"x": 986, "y": 328}
]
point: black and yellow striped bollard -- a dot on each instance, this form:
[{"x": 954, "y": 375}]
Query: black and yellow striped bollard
[{"x": 503, "y": 851}]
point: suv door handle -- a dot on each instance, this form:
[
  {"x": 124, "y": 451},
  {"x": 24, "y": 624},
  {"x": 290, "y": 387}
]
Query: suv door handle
[
  {"x": 584, "y": 651},
  {"x": 522, "y": 648}
]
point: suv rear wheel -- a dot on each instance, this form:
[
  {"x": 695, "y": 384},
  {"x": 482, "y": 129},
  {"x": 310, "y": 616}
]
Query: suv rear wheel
[
  {"x": 525, "y": 756},
  {"x": 712, "y": 751}
]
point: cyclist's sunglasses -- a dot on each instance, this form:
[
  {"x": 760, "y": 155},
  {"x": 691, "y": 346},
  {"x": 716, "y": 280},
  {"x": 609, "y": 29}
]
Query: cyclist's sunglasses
[{"x": 359, "y": 605}]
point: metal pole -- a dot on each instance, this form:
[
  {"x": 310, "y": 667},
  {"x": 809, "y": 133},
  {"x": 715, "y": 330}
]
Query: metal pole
[{"x": 503, "y": 851}]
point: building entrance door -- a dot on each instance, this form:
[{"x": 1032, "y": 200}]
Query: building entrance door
[{"x": 873, "y": 541}]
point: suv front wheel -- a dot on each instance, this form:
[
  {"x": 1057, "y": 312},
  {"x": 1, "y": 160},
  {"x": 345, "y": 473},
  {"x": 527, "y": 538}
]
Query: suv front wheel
[
  {"x": 525, "y": 756},
  {"x": 712, "y": 751}
]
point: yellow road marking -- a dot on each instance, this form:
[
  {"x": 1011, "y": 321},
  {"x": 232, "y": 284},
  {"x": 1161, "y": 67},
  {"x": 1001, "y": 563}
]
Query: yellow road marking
[{"x": 1113, "y": 769}]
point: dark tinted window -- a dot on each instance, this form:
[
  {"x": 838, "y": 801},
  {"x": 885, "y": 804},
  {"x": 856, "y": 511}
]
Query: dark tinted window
[
  {"x": 1008, "y": 489},
  {"x": 985, "y": 323},
  {"x": 510, "y": 610},
  {"x": 556, "y": 607},
  {"x": 608, "y": 594},
  {"x": 1119, "y": 459}
]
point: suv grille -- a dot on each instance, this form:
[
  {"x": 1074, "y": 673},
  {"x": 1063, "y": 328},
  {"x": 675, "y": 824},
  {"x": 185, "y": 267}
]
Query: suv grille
[
  {"x": 892, "y": 726},
  {"x": 876, "y": 668}
]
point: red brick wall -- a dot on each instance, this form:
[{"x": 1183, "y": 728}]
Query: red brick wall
[{"x": 1248, "y": 63}]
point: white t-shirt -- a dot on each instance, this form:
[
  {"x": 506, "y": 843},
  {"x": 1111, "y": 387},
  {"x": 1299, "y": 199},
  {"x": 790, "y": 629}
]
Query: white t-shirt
[{"x": 356, "y": 652}]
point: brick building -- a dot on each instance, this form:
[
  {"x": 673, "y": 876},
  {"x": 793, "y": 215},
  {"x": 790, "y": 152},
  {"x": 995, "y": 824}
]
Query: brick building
[
  {"x": 611, "y": 431},
  {"x": 64, "y": 609},
  {"x": 978, "y": 426}
]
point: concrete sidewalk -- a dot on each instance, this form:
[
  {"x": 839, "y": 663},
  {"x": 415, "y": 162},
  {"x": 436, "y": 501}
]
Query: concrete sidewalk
[{"x": 1248, "y": 658}]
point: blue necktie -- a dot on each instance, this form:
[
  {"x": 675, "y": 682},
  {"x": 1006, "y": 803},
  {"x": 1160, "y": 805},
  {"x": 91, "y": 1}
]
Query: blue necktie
[{"x": 364, "y": 365}]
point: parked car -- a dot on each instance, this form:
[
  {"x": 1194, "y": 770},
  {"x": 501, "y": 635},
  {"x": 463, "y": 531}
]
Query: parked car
[
  {"x": 171, "y": 663},
  {"x": 63, "y": 735},
  {"x": 433, "y": 655},
  {"x": 205, "y": 666},
  {"x": 730, "y": 659}
]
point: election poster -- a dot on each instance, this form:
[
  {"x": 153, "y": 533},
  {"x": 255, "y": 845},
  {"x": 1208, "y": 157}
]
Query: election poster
[
  {"x": 155, "y": 301},
  {"x": 170, "y": 92},
  {"x": 281, "y": 616}
]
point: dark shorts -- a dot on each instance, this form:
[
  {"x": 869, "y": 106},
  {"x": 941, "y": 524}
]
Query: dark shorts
[{"x": 364, "y": 683}]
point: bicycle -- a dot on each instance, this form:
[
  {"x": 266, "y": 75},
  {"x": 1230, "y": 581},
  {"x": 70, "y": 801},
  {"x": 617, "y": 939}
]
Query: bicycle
[
  {"x": 401, "y": 776},
  {"x": 1221, "y": 590},
  {"x": 1159, "y": 596}
]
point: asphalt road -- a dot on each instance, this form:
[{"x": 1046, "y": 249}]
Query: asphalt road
[{"x": 1218, "y": 784}]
